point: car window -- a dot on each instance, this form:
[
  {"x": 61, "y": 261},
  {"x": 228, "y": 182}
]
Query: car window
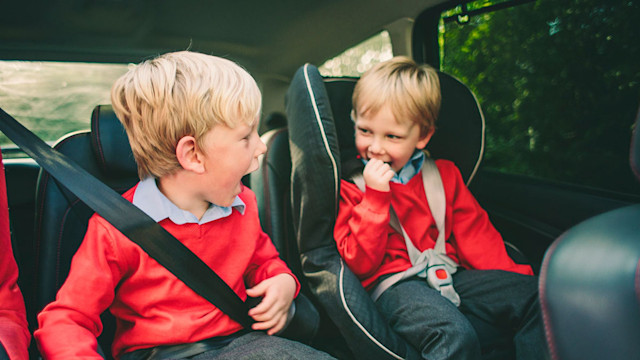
[
  {"x": 558, "y": 81},
  {"x": 54, "y": 98},
  {"x": 360, "y": 58}
]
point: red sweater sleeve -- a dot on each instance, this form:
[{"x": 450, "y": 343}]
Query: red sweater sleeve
[
  {"x": 70, "y": 325},
  {"x": 14, "y": 333},
  {"x": 477, "y": 244},
  {"x": 362, "y": 229},
  {"x": 266, "y": 261}
]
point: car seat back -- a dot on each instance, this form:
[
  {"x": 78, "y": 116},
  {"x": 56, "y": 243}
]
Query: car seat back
[
  {"x": 590, "y": 284},
  {"x": 61, "y": 218},
  {"x": 106, "y": 154},
  {"x": 321, "y": 136}
]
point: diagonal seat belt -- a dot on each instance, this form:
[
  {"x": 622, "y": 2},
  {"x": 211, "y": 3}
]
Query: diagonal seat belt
[
  {"x": 131, "y": 222},
  {"x": 432, "y": 264}
]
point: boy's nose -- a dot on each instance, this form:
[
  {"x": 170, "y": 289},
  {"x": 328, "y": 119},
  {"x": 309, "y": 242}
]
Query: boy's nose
[
  {"x": 375, "y": 147},
  {"x": 262, "y": 148}
]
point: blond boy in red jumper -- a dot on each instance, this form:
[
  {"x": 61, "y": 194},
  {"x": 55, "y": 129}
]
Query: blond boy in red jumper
[
  {"x": 191, "y": 120},
  {"x": 395, "y": 105}
]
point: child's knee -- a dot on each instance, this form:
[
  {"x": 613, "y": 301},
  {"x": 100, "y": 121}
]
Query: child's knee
[
  {"x": 466, "y": 334},
  {"x": 453, "y": 340}
]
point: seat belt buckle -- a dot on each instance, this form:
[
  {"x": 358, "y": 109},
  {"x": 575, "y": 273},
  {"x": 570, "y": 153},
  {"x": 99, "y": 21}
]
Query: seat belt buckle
[{"x": 439, "y": 278}]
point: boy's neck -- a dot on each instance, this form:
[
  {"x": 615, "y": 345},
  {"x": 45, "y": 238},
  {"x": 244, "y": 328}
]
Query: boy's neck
[{"x": 177, "y": 189}]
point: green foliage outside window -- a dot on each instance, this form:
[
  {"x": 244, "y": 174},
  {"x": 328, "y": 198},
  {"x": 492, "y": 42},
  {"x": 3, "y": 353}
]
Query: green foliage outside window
[{"x": 559, "y": 83}]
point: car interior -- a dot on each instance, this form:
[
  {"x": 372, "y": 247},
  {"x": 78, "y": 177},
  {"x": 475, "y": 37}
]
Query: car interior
[
  {"x": 606, "y": 323},
  {"x": 582, "y": 240}
]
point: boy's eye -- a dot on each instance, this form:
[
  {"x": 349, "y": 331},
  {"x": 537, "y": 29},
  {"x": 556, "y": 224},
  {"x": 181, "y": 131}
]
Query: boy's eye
[
  {"x": 364, "y": 131},
  {"x": 394, "y": 137},
  {"x": 248, "y": 136}
]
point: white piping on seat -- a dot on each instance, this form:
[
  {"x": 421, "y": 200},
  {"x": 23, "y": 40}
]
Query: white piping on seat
[
  {"x": 324, "y": 136},
  {"x": 336, "y": 179},
  {"x": 353, "y": 318},
  {"x": 475, "y": 168}
]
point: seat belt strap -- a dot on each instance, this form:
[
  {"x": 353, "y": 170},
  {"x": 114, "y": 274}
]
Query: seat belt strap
[
  {"x": 432, "y": 264},
  {"x": 130, "y": 221}
]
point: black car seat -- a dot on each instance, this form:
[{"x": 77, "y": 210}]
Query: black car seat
[
  {"x": 61, "y": 219},
  {"x": 320, "y": 135},
  {"x": 590, "y": 284}
]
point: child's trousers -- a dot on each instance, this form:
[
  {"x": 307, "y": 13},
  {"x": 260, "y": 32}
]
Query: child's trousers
[{"x": 440, "y": 330}]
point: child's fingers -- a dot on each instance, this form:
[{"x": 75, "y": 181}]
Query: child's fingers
[
  {"x": 377, "y": 175},
  {"x": 388, "y": 174},
  {"x": 279, "y": 326},
  {"x": 265, "y": 325},
  {"x": 263, "y": 307},
  {"x": 272, "y": 325},
  {"x": 258, "y": 290},
  {"x": 264, "y": 322}
]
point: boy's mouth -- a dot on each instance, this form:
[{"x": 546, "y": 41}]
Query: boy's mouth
[{"x": 386, "y": 162}]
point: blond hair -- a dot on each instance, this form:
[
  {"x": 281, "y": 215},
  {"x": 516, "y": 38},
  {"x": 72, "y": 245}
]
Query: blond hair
[
  {"x": 411, "y": 90},
  {"x": 180, "y": 94}
]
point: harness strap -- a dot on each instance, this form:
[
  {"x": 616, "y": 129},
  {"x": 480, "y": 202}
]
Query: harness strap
[{"x": 432, "y": 264}]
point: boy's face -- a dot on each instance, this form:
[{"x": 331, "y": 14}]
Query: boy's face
[
  {"x": 380, "y": 136},
  {"x": 230, "y": 153}
]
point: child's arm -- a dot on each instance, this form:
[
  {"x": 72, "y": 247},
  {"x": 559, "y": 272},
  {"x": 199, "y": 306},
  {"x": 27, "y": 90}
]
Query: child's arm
[
  {"x": 362, "y": 228},
  {"x": 69, "y": 326},
  {"x": 277, "y": 294},
  {"x": 14, "y": 333},
  {"x": 270, "y": 279},
  {"x": 478, "y": 244}
]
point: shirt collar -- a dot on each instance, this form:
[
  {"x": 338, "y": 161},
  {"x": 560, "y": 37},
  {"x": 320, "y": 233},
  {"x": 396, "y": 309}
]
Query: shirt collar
[
  {"x": 410, "y": 169},
  {"x": 149, "y": 199}
]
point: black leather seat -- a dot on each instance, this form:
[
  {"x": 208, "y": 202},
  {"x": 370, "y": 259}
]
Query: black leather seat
[
  {"x": 61, "y": 218},
  {"x": 590, "y": 284},
  {"x": 320, "y": 135}
]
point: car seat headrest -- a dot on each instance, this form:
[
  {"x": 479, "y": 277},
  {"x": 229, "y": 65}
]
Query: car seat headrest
[{"x": 110, "y": 143}]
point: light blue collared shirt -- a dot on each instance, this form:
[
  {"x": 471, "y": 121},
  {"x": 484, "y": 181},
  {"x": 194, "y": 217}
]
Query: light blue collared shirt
[
  {"x": 410, "y": 169},
  {"x": 149, "y": 199}
]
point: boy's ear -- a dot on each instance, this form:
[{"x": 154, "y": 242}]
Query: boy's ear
[
  {"x": 424, "y": 140},
  {"x": 189, "y": 156}
]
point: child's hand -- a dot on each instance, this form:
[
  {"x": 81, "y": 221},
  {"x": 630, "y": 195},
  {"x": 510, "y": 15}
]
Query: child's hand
[
  {"x": 277, "y": 294},
  {"x": 377, "y": 175}
]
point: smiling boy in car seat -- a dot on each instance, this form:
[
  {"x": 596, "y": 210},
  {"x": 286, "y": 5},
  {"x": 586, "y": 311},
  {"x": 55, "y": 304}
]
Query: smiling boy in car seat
[
  {"x": 192, "y": 123},
  {"x": 395, "y": 105}
]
